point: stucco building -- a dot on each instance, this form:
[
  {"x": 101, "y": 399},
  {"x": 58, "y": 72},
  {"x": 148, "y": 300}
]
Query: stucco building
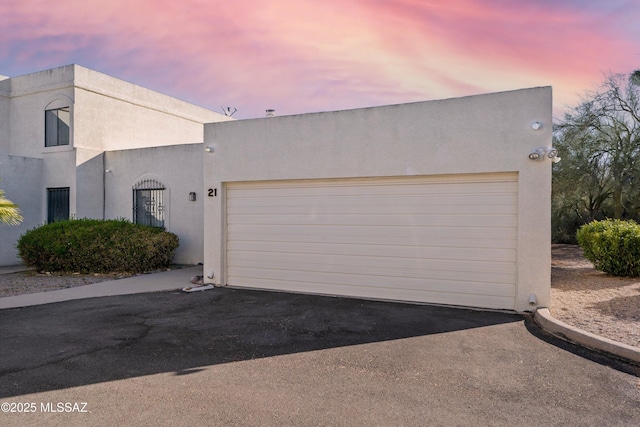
[
  {"x": 444, "y": 202},
  {"x": 70, "y": 137}
]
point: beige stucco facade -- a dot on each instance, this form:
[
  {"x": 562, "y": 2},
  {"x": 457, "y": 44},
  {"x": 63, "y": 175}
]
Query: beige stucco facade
[
  {"x": 122, "y": 135},
  {"x": 106, "y": 114},
  {"x": 482, "y": 134},
  {"x": 179, "y": 169},
  {"x": 21, "y": 179}
]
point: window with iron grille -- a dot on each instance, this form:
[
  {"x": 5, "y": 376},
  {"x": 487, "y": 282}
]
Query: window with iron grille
[
  {"x": 148, "y": 203},
  {"x": 57, "y": 204},
  {"x": 56, "y": 127}
]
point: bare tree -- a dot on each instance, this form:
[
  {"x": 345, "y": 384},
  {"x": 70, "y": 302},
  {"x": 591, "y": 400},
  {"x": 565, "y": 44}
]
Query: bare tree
[{"x": 600, "y": 141}]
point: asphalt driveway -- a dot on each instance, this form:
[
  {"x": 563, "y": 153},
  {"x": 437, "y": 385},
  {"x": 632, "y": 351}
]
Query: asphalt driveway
[{"x": 240, "y": 357}]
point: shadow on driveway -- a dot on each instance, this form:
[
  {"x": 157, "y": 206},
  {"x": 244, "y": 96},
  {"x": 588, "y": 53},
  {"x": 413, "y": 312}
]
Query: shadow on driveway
[{"x": 74, "y": 343}]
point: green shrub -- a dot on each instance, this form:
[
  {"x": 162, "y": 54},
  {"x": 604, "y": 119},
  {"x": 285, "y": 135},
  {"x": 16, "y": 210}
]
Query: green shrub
[
  {"x": 613, "y": 246},
  {"x": 97, "y": 246}
]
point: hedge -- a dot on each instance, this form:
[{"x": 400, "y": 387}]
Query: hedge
[
  {"x": 97, "y": 246},
  {"x": 613, "y": 246}
]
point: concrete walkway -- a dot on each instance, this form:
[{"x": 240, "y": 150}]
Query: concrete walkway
[
  {"x": 178, "y": 279},
  {"x": 155, "y": 282}
]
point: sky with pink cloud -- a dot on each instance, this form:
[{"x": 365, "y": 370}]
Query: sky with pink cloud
[{"x": 299, "y": 56}]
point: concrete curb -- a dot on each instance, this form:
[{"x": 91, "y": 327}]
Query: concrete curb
[{"x": 543, "y": 317}]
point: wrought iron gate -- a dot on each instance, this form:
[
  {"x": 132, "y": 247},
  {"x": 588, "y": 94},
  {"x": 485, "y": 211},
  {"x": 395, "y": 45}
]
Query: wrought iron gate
[
  {"x": 148, "y": 203},
  {"x": 57, "y": 204}
]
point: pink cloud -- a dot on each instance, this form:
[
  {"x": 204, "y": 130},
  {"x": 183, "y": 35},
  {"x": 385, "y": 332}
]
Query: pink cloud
[{"x": 300, "y": 56}]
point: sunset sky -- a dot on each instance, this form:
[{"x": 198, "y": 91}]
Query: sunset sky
[{"x": 298, "y": 56}]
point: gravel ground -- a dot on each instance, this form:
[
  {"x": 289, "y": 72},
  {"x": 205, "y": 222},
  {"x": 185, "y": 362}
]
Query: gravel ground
[
  {"x": 580, "y": 295},
  {"x": 592, "y": 301},
  {"x": 30, "y": 282}
]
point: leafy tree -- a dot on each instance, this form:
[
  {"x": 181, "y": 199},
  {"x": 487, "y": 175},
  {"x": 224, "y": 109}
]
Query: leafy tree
[
  {"x": 599, "y": 176},
  {"x": 9, "y": 211}
]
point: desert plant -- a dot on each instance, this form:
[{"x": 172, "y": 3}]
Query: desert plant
[
  {"x": 9, "y": 211},
  {"x": 97, "y": 246},
  {"x": 613, "y": 246}
]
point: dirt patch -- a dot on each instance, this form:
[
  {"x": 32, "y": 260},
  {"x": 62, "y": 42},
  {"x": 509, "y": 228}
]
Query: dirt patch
[
  {"x": 30, "y": 282},
  {"x": 592, "y": 301}
]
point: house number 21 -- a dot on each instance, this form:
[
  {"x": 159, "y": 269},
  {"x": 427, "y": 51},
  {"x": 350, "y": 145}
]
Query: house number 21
[{"x": 213, "y": 192}]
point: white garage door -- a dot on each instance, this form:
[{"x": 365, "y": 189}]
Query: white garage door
[{"x": 437, "y": 239}]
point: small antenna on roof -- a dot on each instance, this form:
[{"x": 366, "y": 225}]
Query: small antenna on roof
[{"x": 227, "y": 111}]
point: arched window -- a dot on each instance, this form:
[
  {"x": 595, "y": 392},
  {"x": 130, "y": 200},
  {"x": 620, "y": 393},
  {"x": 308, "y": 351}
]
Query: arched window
[
  {"x": 57, "y": 122},
  {"x": 56, "y": 127},
  {"x": 148, "y": 203}
]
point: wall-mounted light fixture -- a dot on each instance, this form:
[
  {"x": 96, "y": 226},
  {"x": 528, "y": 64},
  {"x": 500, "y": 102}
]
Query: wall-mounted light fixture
[
  {"x": 209, "y": 149},
  {"x": 536, "y": 125},
  {"x": 537, "y": 154},
  {"x": 192, "y": 197},
  {"x": 108, "y": 170},
  {"x": 541, "y": 153}
]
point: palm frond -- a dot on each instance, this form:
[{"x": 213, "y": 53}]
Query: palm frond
[{"x": 9, "y": 211}]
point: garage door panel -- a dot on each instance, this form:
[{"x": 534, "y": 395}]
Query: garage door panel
[
  {"x": 392, "y": 187},
  {"x": 247, "y": 231},
  {"x": 383, "y": 251},
  {"x": 472, "y": 203},
  {"x": 379, "y": 207},
  {"x": 371, "y": 239},
  {"x": 297, "y": 261},
  {"x": 389, "y": 272},
  {"x": 447, "y": 239},
  {"x": 421, "y": 220},
  {"x": 365, "y": 281},
  {"x": 424, "y": 295}
]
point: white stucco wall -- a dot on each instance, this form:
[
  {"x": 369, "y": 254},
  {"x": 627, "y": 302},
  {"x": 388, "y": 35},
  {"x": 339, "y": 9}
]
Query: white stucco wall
[
  {"x": 106, "y": 114},
  {"x": 179, "y": 168},
  {"x": 4, "y": 122},
  {"x": 23, "y": 100},
  {"x": 89, "y": 167},
  {"x": 20, "y": 178},
  {"x": 476, "y": 134},
  {"x": 58, "y": 171},
  {"x": 27, "y": 121},
  {"x": 111, "y": 114}
]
